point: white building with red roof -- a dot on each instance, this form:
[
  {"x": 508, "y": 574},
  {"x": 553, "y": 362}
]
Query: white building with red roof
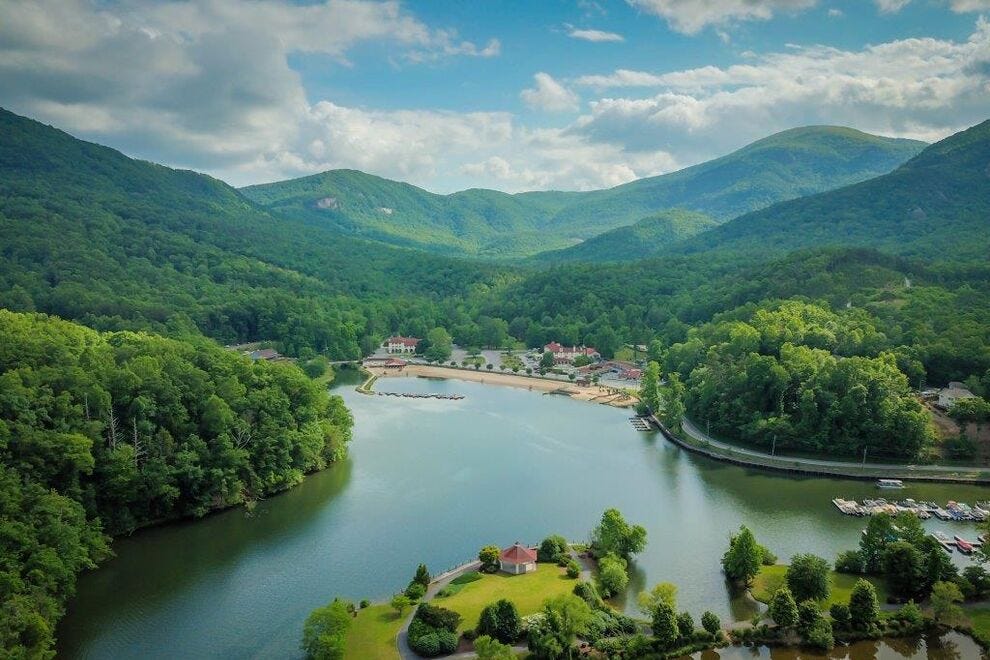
[
  {"x": 400, "y": 344},
  {"x": 566, "y": 354},
  {"x": 517, "y": 559}
]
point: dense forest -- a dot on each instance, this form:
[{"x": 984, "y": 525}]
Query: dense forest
[{"x": 103, "y": 433}]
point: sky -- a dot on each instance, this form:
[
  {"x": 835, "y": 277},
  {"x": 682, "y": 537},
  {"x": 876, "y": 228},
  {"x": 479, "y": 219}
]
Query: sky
[{"x": 512, "y": 95}]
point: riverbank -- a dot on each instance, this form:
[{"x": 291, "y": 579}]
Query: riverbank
[
  {"x": 592, "y": 393},
  {"x": 694, "y": 440}
]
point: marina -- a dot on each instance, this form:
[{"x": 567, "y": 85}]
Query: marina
[
  {"x": 640, "y": 424},
  {"x": 414, "y": 395},
  {"x": 952, "y": 511}
]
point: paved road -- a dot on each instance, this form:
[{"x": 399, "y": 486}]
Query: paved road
[
  {"x": 854, "y": 468},
  {"x": 402, "y": 639}
]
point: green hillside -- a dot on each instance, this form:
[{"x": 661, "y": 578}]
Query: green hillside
[
  {"x": 494, "y": 224},
  {"x": 640, "y": 240},
  {"x": 483, "y": 222},
  {"x": 90, "y": 234},
  {"x": 935, "y": 206}
]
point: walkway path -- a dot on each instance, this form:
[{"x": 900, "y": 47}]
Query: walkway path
[
  {"x": 438, "y": 583},
  {"x": 698, "y": 440}
]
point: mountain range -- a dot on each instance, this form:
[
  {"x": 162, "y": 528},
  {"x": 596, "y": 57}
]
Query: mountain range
[{"x": 489, "y": 223}]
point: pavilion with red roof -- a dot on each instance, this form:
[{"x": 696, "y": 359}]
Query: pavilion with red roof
[{"x": 517, "y": 559}]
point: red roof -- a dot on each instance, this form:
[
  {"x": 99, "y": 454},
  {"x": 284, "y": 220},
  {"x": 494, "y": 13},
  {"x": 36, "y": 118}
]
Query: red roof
[
  {"x": 553, "y": 347},
  {"x": 405, "y": 341},
  {"x": 518, "y": 554}
]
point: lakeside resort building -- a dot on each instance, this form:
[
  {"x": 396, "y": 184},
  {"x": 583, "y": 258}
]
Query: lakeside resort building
[
  {"x": 517, "y": 559},
  {"x": 400, "y": 344},
  {"x": 567, "y": 354}
]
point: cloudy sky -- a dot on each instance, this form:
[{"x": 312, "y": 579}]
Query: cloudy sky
[{"x": 563, "y": 94}]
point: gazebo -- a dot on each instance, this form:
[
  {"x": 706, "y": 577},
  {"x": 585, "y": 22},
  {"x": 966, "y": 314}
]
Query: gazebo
[{"x": 517, "y": 559}]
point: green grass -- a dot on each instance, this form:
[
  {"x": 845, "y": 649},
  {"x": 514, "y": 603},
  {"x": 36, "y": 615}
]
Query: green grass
[
  {"x": 372, "y": 633},
  {"x": 980, "y": 618},
  {"x": 771, "y": 578},
  {"x": 527, "y": 591}
]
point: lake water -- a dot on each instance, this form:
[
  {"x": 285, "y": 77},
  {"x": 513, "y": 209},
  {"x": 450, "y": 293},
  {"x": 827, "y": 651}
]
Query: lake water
[{"x": 433, "y": 481}]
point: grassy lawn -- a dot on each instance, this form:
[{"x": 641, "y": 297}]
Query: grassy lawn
[
  {"x": 771, "y": 578},
  {"x": 527, "y": 591},
  {"x": 372, "y": 633},
  {"x": 980, "y": 617}
]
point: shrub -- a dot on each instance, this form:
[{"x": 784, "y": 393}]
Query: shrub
[
  {"x": 552, "y": 548},
  {"x": 819, "y": 635},
  {"x": 438, "y": 617},
  {"x": 864, "y": 610},
  {"x": 840, "y": 614},
  {"x": 587, "y": 592},
  {"x": 850, "y": 561},
  {"x": 365, "y": 603},
  {"x": 500, "y": 620},
  {"x": 909, "y": 613},
  {"x": 711, "y": 624},
  {"x": 783, "y": 609},
  {"x": 685, "y": 624},
  {"x": 415, "y": 591},
  {"x": 573, "y": 569},
  {"x": 489, "y": 558},
  {"x": 612, "y": 576},
  {"x": 808, "y": 577}
]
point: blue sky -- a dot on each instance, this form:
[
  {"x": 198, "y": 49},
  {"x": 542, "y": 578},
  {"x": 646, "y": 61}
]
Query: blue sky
[{"x": 564, "y": 94}]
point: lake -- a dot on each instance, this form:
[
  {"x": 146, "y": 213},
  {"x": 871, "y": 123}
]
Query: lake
[{"x": 433, "y": 481}]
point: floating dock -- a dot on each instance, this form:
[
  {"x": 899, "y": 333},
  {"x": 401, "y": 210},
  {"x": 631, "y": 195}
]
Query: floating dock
[
  {"x": 640, "y": 424},
  {"x": 954, "y": 511},
  {"x": 406, "y": 395}
]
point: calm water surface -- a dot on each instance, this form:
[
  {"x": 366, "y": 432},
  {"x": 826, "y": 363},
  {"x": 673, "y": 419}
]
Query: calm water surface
[
  {"x": 951, "y": 646},
  {"x": 433, "y": 481}
]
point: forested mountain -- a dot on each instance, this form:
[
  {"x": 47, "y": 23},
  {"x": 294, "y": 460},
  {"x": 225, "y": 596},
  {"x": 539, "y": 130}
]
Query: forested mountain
[
  {"x": 493, "y": 224},
  {"x": 90, "y": 234},
  {"x": 104, "y": 433},
  {"x": 936, "y": 206},
  {"x": 640, "y": 240}
]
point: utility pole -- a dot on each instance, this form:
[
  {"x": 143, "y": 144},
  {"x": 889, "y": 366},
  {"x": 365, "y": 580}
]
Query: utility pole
[
  {"x": 864, "y": 456},
  {"x": 773, "y": 449}
]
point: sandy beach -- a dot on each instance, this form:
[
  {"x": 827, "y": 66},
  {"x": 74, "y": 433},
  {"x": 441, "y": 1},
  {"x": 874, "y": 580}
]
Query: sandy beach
[{"x": 592, "y": 393}]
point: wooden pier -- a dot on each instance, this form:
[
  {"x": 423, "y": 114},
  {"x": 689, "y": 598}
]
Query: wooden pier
[
  {"x": 640, "y": 424},
  {"x": 953, "y": 511},
  {"x": 408, "y": 395}
]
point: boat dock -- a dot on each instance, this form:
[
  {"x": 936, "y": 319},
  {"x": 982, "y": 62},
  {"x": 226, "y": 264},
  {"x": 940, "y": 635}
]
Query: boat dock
[
  {"x": 954, "y": 511},
  {"x": 640, "y": 424},
  {"x": 407, "y": 395}
]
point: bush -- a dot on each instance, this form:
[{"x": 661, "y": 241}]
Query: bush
[
  {"x": 489, "y": 558},
  {"x": 819, "y": 635},
  {"x": 612, "y": 576},
  {"x": 840, "y": 614},
  {"x": 438, "y": 617},
  {"x": 500, "y": 620},
  {"x": 415, "y": 591},
  {"x": 365, "y": 603},
  {"x": 685, "y": 624},
  {"x": 850, "y": 561},
  {"x": 909, "y": 613},
  {"x": 552, "y": 548},
  {"x": 711, "y": 623},
  {"x": 587, "y": 592},
  {"x": 573, "y": 569}
]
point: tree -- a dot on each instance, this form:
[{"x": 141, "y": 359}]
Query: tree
[
  {"x": 501, "y": 621},
  {"x": 864, "y": 610},
  {"x": 741, "y": 562},
  {"x": 673, "y": 401},
  {"x": 662, "y": 591},
  {"x": 612, "y": 575},
  {"x": 808, "y": 613},
  {"x": 614, "y": 534},
  {"x": 808, "y": 577},
  {"x": 685, "y": 625},
  {"x": 546, "y": 360},
  {"x": 664, "y": 625},
  {"x": 439, "y": 345},
  {"x": 711, "y": 623},
  {"x": 489, "y": 557},
  {"x": 649, "y": 389},
  {"x": 840, "y": 614},
  {"x": 783, "y": 608},
  {"x": 422, "y": 575},
  {"x": 564, "y": 618},
  {"x": 945, "y": 595},
  {"x": 490, "y": 649},
  {"x": 654, "y": 351},
  {"x": 904, "y": 567},
  {"x": 325, "y": 631},
  {"x": 819, "y": 635},
  {"x": 400, "y": 602},
  {"x": 879, "y": 532}
]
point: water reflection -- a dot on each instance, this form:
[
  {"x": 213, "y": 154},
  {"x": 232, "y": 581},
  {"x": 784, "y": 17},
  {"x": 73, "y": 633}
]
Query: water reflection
[{"x": 949, "y": 646}]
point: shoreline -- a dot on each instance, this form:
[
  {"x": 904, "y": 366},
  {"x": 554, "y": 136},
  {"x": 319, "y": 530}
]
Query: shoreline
[{"x": 591, "y": 393}]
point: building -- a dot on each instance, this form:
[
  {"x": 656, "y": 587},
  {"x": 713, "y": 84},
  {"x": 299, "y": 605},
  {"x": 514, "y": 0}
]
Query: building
[
  {"x": 517, "y": 559},
  {"x": 948, "y": 396},
  {"x": 384, "y": 363},
  {"x": 400, "y": 344},
  {"x": 567, "y": 354}
]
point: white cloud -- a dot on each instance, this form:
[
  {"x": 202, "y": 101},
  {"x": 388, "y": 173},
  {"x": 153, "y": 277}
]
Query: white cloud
[
  {"x": 596, "y": 36},
  {"x": 549, "y": 95},
  {"x": 691, "y": 16},
  {"x": 921, "y": 88},
  {"x": 891, "y": 6}
]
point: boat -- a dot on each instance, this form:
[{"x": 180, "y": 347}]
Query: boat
[
  {"x": 890, "y": 483},
  {"x": 964, "y": 546},
  {"x": 943, "y": 540}
]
